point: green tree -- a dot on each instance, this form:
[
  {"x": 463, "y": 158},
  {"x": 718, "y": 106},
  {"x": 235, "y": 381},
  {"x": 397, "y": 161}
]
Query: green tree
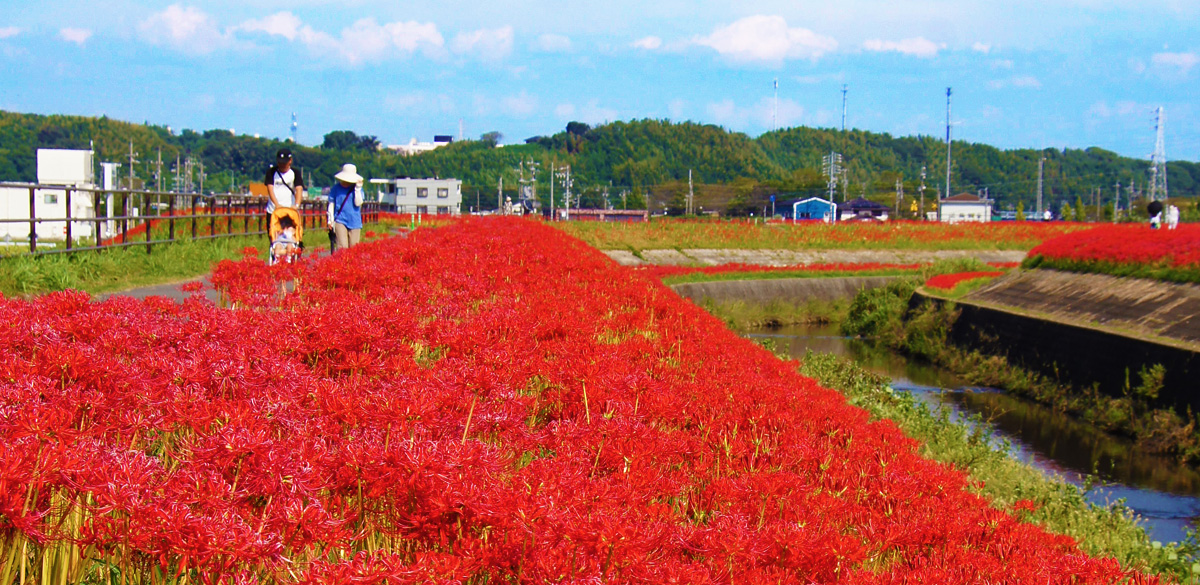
[{"x": 1020, "y": 211}]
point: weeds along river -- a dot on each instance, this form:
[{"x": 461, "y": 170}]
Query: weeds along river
[{"x": 1165, "y": 493}]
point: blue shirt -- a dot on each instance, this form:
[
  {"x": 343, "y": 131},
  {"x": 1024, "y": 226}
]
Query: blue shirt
[{"x": 345, "y": 211}]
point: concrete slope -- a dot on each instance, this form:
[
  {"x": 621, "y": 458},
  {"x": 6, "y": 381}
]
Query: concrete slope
[{"x": 1138, "y": 307}]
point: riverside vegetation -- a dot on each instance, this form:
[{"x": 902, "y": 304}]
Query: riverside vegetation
[
  {"x": 1010, "y": 484},
  {"x": 922, "y": 332}
]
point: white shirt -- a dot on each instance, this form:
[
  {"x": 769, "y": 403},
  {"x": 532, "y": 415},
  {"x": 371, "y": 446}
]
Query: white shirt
[{"x": 284, "y": 188}]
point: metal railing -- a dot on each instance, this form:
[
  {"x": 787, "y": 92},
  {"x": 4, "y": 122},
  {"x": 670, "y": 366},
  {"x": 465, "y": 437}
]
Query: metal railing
[{"x": 143, "y": 218}]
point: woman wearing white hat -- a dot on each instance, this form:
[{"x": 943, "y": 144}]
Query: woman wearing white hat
[{"x": 345, "y": 207}]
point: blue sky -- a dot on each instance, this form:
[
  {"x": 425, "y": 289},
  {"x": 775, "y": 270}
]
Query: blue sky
[{"x": 1025, "y": 73}]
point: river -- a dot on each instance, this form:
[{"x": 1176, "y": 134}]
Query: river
[{"x": 1163, "y": 492}]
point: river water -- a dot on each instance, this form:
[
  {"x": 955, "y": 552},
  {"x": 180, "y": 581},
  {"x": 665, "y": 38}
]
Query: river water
[{"x": 1165, "y": 493}]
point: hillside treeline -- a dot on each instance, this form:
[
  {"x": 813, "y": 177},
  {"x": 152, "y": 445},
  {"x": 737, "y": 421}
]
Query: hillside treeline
[{"x": 621, "y": 161}]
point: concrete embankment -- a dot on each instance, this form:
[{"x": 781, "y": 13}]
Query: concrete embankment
[
  {"x": 705, "y": 257},
  {"x": 788, "y": 290},
  {"x": 1088, "y": 330}
]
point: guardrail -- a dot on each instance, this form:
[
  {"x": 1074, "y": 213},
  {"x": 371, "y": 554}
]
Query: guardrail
[{"x": 105, "y": 218}]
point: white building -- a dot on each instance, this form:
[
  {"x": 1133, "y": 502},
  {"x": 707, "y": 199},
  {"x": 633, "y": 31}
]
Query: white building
[
  {"x": 424, "y": 196},
  {"x": 414, "y": 147},
  {"x": 966, "y": 207},
  {"x": 62, "y": 169}
]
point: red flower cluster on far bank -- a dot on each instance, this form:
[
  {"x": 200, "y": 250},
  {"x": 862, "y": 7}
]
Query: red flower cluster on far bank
[
  {"x": 949, "y": 281},
  {"x": 1125, "y": 250},
  {"x": 489, "y": 401}
]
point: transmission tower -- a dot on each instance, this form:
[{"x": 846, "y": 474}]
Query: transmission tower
[{"x": 1158, "y": 161}]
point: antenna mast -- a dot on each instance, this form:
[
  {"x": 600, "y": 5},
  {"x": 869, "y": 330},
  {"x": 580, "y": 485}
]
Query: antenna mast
[
  {"x": 775, "y": 111},
  {"x": 295, "y": 128},
  {"x": 948, "y": 160},
  {"x": 1158, "y": 162}
]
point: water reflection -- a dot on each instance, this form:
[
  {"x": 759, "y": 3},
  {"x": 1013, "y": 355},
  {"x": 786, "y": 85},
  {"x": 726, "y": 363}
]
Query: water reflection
[{"x": 1162, "y": 491}]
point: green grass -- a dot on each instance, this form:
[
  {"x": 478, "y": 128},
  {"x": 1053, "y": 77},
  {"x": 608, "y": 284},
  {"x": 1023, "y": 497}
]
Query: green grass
[
  {"x": 124, "y": 268},
  {"x": 767, "y": 275},
  {"x": 1060, "y": 507},
  {"x": 740, "y": 315}
]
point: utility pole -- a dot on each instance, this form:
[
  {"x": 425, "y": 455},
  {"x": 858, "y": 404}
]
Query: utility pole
[
  {"x": 921, "y": 189},
  {"x": 948, "y": 159},
  {"x": 158, "y": 172},
  {"x": 500, "y": 197},
  {"x": 552, "y": 171},
  {"x": 691, "y": 198},
  {"x": 1041, "y": 167},
  {"x": 899, "y": 196},
  {"x": 1116, "y": 200},
  {"x": 132, "y": 159}
]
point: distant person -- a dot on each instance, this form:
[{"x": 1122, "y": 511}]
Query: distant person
[
  {"x": 1172, "y": 217},
  {"x": 1155, "y": 211},
  {"x": 284, "y": 184},
  {"x": 345, "y": 207},
  {"x": 1047, "y": 216}
]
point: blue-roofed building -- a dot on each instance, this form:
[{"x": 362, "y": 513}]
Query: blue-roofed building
[{"x": 814, "y": 209}]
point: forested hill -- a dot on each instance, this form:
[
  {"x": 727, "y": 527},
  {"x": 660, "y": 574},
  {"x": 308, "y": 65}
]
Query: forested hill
[{"x": 642, "y": 154}]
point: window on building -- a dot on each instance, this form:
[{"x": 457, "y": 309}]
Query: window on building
[
  {"x": 400, "y": 191},
  {"x": 50, "y": 198},
  {"x": 422, "y": 192},
  {"x": 443, "y": 193},
  {"x": 422, "y": 209},
  {"x": 443, "y": 210}
]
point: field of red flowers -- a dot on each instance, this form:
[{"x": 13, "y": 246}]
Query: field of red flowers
[
  {"x": 1125, "y": 250},
  {"x": 662, "y": 233},
  {"x": 489, "y": 401}
]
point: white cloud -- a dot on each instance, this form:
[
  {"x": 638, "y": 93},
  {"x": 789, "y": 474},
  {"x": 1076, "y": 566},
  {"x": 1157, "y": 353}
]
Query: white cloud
[
  {"x": 1180, "y": 62},
  {"x": 520, "y": 106},
  {"x": 78, "y": 36},
  {"x": 594, "y": 113},
  {"x": 1022, "y": 81},
  {"x": 9, "y": 31},
  {"x": 487, "y": 44},
  {"x": 554, "y": 43},
  {"x": 419, "y": 103},
  {"x": 283, "y": 24},
  {"x": 1002, "y": 64},
  {"x": 766, "y": 39},
  {"x": 1121, "y": 109},
  {"x": 365, "y": 40},
  {"x": 678, "y": 110},
  {"x": 981, "y": 48},
  {"x": 648, "y": 43},
  {"x": 564, "y": 111},
  {"x": 916, "y": 47},
  {"x": 762, "y": 114},
  {"x": 186, "y": 29}
]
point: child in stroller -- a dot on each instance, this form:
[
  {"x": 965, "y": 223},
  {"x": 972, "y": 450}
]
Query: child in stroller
[{"x": 287, "y": 235}]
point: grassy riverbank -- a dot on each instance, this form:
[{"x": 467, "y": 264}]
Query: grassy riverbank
[
  {"x": 123, "y": 268},
  {"x": 885, "y": 315},
  {"x": 1011, "y": 485}
]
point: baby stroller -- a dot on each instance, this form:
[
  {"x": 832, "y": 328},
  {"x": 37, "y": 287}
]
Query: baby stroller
[{"x": 287, "y": 235}]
